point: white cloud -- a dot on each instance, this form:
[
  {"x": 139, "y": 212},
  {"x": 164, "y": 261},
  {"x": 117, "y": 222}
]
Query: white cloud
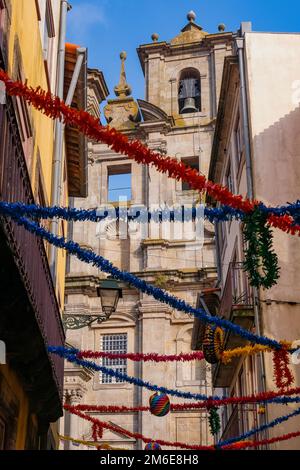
[{"x": 83, "y": 17}]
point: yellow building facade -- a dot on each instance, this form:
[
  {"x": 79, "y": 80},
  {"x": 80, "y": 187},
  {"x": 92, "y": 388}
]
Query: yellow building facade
[
  {"x": 32, "y": 33},
  {"x": 33, "y": 40}
]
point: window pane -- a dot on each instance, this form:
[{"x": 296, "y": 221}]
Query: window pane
[
  {"x": 193, "y": 163},
  {"x": 119, "y": 186},
  {"x": 116, "y": 344}
]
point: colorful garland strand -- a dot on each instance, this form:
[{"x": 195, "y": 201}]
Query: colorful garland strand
[
  {"x": 54, "y": 108},
  {"x": 264, "y": 427},
  {"x": 230, "y": 444},
  {"x": 133, "y": 213},
  {"x": 90, "y": 257},
  {"x": 134, "y": 435},
  {"x": 282, "y": 374},
  {"x": 89, "y": 443},
  {"x": 266, "y": 397},
  {"x": 261, "y": 262},
  {"x": 71, "y": 357},
  {"x": 229, "y": 354},
  {"x": 137, "y": 357},
  {"x": 214, "y": 421},
  {"x": 258, "y": 236},
  {"x": 138, "y": 213},
  {"x": 264, "y": 442}
]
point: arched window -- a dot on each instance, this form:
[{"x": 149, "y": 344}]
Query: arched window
[{"x": 189, "y": 91}]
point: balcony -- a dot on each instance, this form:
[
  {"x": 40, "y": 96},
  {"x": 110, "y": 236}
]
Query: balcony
[
  {"x": 236, "y": 306},
  {"x": 30, "y": 318}
]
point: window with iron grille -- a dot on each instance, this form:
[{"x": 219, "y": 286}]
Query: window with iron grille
[{"x": 116, "y": 344}]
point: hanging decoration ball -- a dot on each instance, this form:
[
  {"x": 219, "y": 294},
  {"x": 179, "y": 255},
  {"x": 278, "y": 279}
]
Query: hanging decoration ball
[
  {"x": 213, "y": 344},
  {"x": 159, "y": 404},
  {"x": 152, "y": 446}
]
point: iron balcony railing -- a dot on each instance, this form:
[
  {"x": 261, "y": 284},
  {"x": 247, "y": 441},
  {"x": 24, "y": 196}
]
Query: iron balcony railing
[
  {"x": 28, "y": 250},
  {"x": 237, "y": 290}
]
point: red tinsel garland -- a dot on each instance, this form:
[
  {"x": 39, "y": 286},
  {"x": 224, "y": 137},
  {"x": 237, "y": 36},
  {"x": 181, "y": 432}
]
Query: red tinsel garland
[
  {"x": 261, "y": 397},
  {"x": 134, "y": 435},
  {"x": 95, "y": 432},
  {"x": 153, "y": 357},
  {"x": 55, "y": 108},
  {"x": 282, "y": 375},
  {"x": 235, "y": 446},
  {"x": 284, "y": 223}
]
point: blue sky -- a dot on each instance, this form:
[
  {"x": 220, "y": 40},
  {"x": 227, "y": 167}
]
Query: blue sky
[{"x": 107, "y": 27}]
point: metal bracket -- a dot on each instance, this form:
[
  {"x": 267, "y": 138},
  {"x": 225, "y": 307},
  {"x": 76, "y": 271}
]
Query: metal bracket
[{"x": 76, "y": 322}]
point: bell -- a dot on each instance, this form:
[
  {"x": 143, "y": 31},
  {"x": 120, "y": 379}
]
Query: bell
[{"x": 189, "y": 106}]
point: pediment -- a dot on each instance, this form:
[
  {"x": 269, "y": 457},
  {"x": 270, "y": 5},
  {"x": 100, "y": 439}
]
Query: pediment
[{"x": 151, "y": 113}]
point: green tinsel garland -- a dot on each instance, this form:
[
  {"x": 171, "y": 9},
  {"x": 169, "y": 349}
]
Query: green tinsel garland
[
  {"x": 214, "y": 421},
  {"x": 261, "y": 262}
]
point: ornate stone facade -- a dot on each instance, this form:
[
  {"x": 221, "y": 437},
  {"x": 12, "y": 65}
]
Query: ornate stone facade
[{"x": 158, "y": 253}]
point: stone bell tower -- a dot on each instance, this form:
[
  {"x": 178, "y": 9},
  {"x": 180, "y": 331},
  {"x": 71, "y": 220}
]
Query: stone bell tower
[{"x": 183, "y": 79}]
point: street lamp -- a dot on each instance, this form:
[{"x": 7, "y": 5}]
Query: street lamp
[{"x": 109, "y": 292}]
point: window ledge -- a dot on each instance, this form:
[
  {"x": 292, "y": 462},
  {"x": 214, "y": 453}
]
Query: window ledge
[{"x": 120, "y": 386}]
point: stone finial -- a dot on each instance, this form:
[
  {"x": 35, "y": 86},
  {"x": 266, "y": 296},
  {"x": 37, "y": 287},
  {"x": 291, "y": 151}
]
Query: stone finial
[
  {"x": 221, "y": 27},
  {"x": 122, "y": 89},
  {"x": 155, "y": 37},
  {"x": 191, "y": 16},
  {"x": 122, "y": 112}
]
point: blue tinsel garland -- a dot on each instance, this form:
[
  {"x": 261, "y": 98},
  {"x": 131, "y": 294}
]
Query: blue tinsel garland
[
  {"x": 139, "y": 214},
  {"x": 71, "y": 356},
  {"x": 90, "y": 257},
  {"x": 262, "y": 428}
]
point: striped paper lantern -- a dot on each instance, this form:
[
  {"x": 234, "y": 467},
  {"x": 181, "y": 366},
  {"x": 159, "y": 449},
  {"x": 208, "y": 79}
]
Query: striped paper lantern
[{"x": 159, "y": 404}]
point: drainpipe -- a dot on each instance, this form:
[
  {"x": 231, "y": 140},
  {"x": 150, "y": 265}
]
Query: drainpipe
[
  {"x": 246, "y": 27},
  {"x": 57, "y": 185},
  {"x": 58, "y": 146}
]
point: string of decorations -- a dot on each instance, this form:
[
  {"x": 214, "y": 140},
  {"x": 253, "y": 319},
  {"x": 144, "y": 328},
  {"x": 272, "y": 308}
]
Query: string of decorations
[
  {"x": 106, "y": 266},
  {"x": 230, "y": 444},
  {"x": 137, "y": 357},
  {"x": 282, "y": 373},
  {"x": 266, "y": 397},
  {"x": 229, "y": 354},
  {"x": 55, "y": 108},
  {"x": 124, "y": 377},
  {"x": 210, "y": 401},
  {"x": 259, "y": 255},
  {"x": 225, "y": 357},
  {"x": 264, "y": 442},
  {"x": 141, "y": 215},
  {"x": 133, "y": 213},
  {"x": 264, "y": 427},
  {"x": 89, "y": 443},
  {"x": 262, "y": 258},
  {"x": 134, "y": 435},
  {"x": 214, "y": 421},
  {"x": 261, "y": 262}
]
